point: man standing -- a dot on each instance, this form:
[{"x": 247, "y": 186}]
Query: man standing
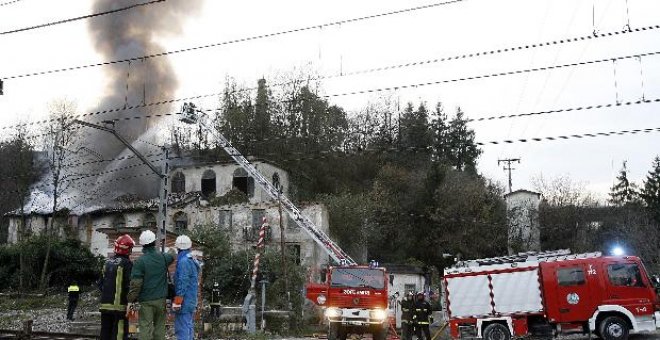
[
  {"x": 421, "y": 314},
  {"x": 149, "y": 287},
  {"x": 186, "y": 280},
  {"x": 406, "y": 316},
  {"x": 215, "y": 300},
  {"x": 114, "y": 290},
  {"x": 74, "y": 294}
]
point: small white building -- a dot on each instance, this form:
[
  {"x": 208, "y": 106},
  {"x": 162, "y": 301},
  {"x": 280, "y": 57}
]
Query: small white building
[
  {"x": 524, "y": 233},
  {"x": 403, "y": 279},
  {"x": 201, "y": 195}
]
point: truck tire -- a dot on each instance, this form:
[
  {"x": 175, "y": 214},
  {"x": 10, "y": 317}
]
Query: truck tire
[
  {"x": 613, "y": 328},
  {"x": 496, "y": 331},
  {"x": 333, "y": 331},
  {"x": 380, "y": 333}
]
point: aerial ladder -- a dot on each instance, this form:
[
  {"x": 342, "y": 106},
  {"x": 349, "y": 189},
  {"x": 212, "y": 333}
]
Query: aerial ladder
[{"x": 190, "y": 114}]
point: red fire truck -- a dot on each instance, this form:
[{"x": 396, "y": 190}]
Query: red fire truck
[
  {"x": 551, "y": 293},
  {"x": 355, "y": 300}
]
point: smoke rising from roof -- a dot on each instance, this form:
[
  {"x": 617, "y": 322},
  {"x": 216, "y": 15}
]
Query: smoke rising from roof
[{"x": 131, "y": 34}]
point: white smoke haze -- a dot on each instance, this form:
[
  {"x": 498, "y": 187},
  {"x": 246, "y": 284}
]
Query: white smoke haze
[{"x": 125, "y": 35}]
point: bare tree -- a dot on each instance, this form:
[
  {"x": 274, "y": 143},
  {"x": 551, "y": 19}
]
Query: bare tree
[{"x": 59, "y": 139}]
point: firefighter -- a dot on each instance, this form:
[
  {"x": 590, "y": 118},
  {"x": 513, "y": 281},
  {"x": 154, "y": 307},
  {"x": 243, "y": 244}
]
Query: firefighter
[
  {"x": 114, "y": 285},
  {"x": 215, "y": 300},
  {"x": 421, "y": 317},
  {"x": 74, "y": 294},
  {"x": 406, "y": 316}
]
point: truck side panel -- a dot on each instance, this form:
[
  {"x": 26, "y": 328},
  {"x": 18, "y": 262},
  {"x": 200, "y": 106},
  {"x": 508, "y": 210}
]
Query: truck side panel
[
  {"x": 517, "y": 292},
  {"x": 468, "y": 295}
]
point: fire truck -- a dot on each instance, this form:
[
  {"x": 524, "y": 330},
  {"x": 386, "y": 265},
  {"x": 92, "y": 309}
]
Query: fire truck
[
  {"x": 354, "y": 297},
  {"x": 551, "y": 293}
]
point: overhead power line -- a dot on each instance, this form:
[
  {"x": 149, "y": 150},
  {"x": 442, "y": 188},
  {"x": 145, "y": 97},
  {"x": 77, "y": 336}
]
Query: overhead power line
[
  {"x": 575, "y": 136},
  {"x": 9, "y": 2},
  {"x": 490, "y": 75},
  {"x": 568, "y": 109},
  {"x": 239, "y": 40},
  {"x": 80, "y": 17}
]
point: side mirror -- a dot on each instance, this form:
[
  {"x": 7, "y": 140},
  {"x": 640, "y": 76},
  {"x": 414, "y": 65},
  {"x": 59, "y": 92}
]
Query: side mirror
[{"x": 655, "y": 280}]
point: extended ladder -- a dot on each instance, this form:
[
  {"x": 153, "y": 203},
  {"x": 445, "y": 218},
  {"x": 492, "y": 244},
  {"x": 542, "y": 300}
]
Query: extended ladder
[{"x": 191, "y": 115}]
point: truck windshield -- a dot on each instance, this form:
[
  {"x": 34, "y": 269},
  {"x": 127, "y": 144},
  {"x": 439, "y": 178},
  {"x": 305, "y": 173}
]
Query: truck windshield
[{"x": 358, "y": 277}]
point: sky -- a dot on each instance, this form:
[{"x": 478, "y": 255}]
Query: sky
[{"x": 459, "y": 28}]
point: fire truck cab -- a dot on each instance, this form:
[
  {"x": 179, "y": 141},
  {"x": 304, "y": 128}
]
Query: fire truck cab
[{"x": 552, "y": 293}]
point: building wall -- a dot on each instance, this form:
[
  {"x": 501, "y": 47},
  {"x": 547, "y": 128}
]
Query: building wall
[
  {"x": 399, "y": 285},
  {"x": 224, "y": 178},
  {"x": 36, "y": 224},
  {"x": 524, "y": 232}
]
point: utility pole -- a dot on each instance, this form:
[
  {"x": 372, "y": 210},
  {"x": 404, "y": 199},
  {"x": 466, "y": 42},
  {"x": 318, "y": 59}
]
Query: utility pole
[
  {"x": 162, "y": 205},
  {"x": 508, "y": 167},
  {"x": 283, "y": 249}
]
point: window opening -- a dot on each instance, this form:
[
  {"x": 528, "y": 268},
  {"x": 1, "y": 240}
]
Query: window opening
[
  {"x": 208, "y": 183},
  {"x": 573, "y": 276},
  {"x": 179, "y": 183},
  {"x": 242, "y": 182},
  {"x": 625, "y": 274},
  {"x": 180, "y": 221}
]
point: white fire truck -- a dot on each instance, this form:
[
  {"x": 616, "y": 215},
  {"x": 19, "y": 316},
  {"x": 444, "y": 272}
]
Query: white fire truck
[{"x": 551, "y": 293}]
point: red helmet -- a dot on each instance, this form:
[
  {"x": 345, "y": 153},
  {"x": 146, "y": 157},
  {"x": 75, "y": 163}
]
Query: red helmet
[{"x": 124, "y": 244}]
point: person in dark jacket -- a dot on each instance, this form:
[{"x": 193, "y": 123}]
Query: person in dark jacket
[
  {"x": 407, "y": 305},
  {"x": 74, "y": 294},
  {"x": 421, "y": 317},
  {"x": 149, "y": 287},
  {"x": 114, "y": 286},
  {"x": 186, "y": 282}
]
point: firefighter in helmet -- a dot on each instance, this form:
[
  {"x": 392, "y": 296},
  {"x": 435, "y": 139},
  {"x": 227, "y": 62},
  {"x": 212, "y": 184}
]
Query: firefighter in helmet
[
  {"x": 421, "y": 317},
  {"x": 114, "y": 284},
  {"x": 406, "y": 316}
]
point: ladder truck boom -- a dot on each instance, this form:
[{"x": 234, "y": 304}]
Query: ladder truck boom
[{"x": 190, "y": 114}]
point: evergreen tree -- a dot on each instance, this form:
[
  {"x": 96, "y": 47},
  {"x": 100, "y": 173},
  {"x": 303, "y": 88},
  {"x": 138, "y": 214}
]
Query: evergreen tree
[
  {"x": 463, "y": 149},
  {"x": 623, "y": 192},
  {"x": 441, "y": 147},
  {"x": 651, "y": 191}
]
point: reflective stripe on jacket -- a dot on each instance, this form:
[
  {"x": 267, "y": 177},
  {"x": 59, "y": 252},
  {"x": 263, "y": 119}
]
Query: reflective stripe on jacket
[{"x": 114, "y": 284}]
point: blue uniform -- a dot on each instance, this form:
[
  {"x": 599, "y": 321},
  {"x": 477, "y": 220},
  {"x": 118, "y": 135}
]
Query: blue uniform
[{"x": 186, "y": 280}]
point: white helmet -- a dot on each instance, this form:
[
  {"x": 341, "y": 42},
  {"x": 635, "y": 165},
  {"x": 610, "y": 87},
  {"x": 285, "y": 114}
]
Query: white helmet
[
  {"x": 147, "y": 237},
  {"x": 183, "y": 242}
]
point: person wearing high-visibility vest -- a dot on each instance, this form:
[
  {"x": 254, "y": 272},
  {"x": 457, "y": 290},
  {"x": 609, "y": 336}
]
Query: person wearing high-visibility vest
[
  {"x": 74, "y": 294},
  {"x": 114, "y": 285},
  {"x": 407, "y": 305},
  {"x": 421, "y": 316}
]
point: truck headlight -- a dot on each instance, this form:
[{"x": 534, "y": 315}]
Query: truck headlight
[
  {"x": 320, "y": 299},
  {"x": 333, "y": 312},
  {"x": 378, "y": 314}
]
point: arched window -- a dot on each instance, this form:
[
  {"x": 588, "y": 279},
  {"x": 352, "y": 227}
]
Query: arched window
[
  {"x": 276, "y": 181},
  {"x": 178, "y": 183},
  {"x": 243, "y": 182},
  {"x": 180, "y": 221},
  {"x": 150, "y": 221},
  {"x": 208, "y": 183},
  {"x": 119, "y": 222}
]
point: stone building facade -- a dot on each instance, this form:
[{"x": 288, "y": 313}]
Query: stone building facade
[{"x": 196, "y": 200}]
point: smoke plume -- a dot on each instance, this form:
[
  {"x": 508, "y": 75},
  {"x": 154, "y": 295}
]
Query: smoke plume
[{"x": 131, "y": 34}]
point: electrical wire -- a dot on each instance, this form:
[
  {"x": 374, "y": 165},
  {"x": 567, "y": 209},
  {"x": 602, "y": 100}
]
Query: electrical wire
[
  {"x": 80, "y": 17},
  {"x": 491, "y": 75},
  {"x": 9, "y": 2},
  {"x": 564, "y": 137},
  {"x": 569, "y": 109},
  {"x": 239, "y": 40}
]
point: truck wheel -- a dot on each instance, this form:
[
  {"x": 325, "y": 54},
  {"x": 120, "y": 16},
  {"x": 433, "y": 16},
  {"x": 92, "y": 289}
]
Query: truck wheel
[
  {"x": 613, "y": 328},
  {"x": 333, "y": 331},
  {"x": 380, "y": 333},
  {"x": 496, "y": 331}
]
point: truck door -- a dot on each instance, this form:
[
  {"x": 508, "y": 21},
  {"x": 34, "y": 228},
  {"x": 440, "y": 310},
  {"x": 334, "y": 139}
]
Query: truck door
[
  {"x": 627, "y": 287},
  {"x": 573, "y": 292}
]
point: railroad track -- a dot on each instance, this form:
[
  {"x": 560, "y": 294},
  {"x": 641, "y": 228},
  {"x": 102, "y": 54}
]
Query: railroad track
[{"x": 28, "y": 334}]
